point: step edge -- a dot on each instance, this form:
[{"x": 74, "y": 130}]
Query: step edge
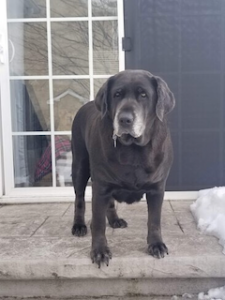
[{"x": 132, "y": 267}]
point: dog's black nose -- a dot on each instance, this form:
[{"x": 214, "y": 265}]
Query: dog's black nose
[{"x": 126, "y": 118}]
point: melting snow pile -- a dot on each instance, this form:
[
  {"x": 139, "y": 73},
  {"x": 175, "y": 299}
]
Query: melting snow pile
[
  {"x": 209, "y": 212},
  {"x": 218, "y": 293}
]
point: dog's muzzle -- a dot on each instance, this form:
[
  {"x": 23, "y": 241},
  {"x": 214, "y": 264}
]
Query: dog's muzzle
[
  {"x": 128, "y": 126},
  {"x": 125, "y": 124}
]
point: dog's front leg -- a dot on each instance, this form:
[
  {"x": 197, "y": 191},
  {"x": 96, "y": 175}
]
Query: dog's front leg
[
  {"x": 156, "y": 247},
  {"x": 100, "y": 252}
]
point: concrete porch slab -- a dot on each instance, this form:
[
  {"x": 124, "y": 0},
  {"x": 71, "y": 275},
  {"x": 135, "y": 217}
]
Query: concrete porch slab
[{"x": 39, "y": 256}]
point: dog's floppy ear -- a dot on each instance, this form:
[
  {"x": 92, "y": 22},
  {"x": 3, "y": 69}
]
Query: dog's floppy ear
[
  {"x": 101, "y": 99},
  {"x": 165, "y": 98}
]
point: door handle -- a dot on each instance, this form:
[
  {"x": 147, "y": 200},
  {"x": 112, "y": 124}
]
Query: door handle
[{"x": 2, "y": 50}]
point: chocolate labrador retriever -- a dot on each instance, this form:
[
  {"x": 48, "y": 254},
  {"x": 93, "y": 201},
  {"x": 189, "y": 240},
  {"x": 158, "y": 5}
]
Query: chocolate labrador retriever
[{"x": 122, "y": 141}]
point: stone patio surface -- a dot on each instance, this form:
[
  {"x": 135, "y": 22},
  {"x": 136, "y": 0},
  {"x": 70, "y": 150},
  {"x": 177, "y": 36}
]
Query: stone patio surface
[{"x": 36, "y": 245}]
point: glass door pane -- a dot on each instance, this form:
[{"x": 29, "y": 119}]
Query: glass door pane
[{"x": 60, "y": 52}]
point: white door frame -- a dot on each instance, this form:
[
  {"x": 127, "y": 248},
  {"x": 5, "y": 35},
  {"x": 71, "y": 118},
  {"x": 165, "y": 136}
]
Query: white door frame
[
  {"x": 6, "y": 128},
  {"x": 9, "y": 194}
]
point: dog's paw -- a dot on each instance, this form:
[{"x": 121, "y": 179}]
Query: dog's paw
[
  {"x": 101, "y": 255},
  {"x": 158, "y": 249},
  {"x": 118, "y": 223},
  {"x": 79, "y": 229}
]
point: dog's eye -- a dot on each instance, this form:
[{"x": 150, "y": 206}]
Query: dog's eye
[
  {"x": 117, "y": 94},
  {"x": 143, "y": 95}
]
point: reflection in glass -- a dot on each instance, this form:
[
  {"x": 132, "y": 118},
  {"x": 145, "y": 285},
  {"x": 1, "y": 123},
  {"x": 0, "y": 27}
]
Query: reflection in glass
[
  {"x": 69, "y": 96},
  {"x": 98, "y": 84},
  {"x": 105, "y": 47},
  {"x": 26, "y": 9},
  {"x": 104, "y": 8},
  {"x": 70, "y": 48},
  {"x": 63, "y": 157},
  {"x": 32, "y": 161},
  {"x": 29, "y": 103},
  {"x": 69, "y": 8},
  {"x": 28, "y": 51}
]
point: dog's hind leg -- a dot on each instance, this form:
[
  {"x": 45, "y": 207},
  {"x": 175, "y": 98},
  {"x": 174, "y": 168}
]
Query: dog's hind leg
[
  {"x": 114, "y": 220},
  {"x": 80, "y": 176}
]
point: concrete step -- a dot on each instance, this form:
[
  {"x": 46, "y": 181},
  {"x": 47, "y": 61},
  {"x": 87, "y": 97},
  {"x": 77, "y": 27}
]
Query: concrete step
[{"x": 40, "y": 258}]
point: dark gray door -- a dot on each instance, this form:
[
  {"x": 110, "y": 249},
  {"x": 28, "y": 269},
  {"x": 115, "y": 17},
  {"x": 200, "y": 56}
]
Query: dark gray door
[{"x": 183, "y": 41}]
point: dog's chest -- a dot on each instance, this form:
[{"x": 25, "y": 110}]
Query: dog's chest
[
  {"x": 134, "y": 168},
  {"x": 134, "y": 177}
]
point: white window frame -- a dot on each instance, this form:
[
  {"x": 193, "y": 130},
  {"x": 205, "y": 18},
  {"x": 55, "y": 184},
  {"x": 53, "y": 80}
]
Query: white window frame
[
  {"x": 1, "y": 166},
  {"x": 8, "y": 193}
]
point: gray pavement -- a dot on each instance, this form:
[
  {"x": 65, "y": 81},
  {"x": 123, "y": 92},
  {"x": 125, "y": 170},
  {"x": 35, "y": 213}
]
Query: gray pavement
[{"x": 36, "y": 245}]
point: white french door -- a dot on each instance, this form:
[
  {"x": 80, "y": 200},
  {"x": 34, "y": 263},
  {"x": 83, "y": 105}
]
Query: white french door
[{"x": 55, "y": 54}]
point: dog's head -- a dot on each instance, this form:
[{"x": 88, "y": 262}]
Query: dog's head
[{"x": 134, "y": 100}]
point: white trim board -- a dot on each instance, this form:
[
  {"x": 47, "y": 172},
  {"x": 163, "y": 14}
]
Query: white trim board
[
  {"x": 120, "y": 9},
  {"x": 66, "y": 195},
  {"x": 51, "y": 94},
  {"x": 90, "y": 52}
]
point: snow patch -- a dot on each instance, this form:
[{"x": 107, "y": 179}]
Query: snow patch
[
  {"x": 213, "y": 294},
  {"x": 209, "y": 213}
]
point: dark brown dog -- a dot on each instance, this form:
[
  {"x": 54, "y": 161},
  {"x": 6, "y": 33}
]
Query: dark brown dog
[{"x": 121, "y": 140}]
